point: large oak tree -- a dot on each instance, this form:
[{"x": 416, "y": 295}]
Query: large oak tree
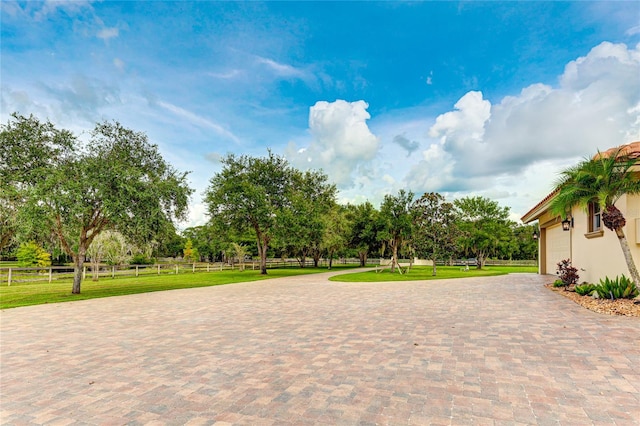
[
  {"x": 269, "y": 197},
  {"x": 116, "y": 180}
]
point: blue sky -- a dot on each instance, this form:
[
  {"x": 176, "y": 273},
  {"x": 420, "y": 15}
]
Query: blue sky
[{"x": 463, "y": 98}]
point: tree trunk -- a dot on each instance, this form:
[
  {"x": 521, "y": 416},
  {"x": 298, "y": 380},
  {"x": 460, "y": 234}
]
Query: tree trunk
[
  {"x": 95, "y": 266},
  {"x": 78, "y": 266},
  {"x": 624, "y": 244},
  {"x": 262, "y": 248},
  {"x": 394, "y": 257},
  {"x": 433, "y": 271},
  {"x": 363, "y": 258}
]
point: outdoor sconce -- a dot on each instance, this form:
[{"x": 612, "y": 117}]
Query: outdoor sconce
[
  {"x": 567, "y": 224},
  {"x": 535, "y": 235}
]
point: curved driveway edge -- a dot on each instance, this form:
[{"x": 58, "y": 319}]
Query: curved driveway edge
[{"x": 304, "y": 350}]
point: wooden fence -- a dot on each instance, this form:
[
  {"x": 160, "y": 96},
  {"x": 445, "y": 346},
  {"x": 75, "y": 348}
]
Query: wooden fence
[{"x": 9, "y": 275}]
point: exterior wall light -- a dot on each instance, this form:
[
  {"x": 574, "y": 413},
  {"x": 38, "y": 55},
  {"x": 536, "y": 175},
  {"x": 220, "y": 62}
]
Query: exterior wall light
[{"x": 567, "y": 224}]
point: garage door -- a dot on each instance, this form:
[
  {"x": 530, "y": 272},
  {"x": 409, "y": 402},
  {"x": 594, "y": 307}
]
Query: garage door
[{"x": 558, "y": 247}]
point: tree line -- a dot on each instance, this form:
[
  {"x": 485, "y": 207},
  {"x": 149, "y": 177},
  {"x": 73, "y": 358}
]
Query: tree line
[
  {"x": 281, "y": 211},
  {"x": 63, "y": 193}
]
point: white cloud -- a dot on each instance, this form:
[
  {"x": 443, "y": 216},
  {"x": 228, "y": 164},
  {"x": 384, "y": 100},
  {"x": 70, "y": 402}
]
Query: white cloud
[
  {"x": 226, "y": 75},
  {"x": 465, "y": 124},
  {"x": 429, "y": 79},
  {"x": 71, "y": 8},
  {"x": 198, "y": 120},
  {"x": 633, "y": 30},
  {"x": 108, "y": 33},
  {"x": 595, "y": 106},
  {"x": 342, "y": 143},
  {"x": 286, "y": 71}
]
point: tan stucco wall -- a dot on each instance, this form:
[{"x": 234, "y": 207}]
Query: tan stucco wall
[{"x": 602, "y": 256}]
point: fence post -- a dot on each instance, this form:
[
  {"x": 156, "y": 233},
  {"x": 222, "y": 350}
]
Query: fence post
[
  {"x": 113, "y": 271},
  {"x": 84, "y": 272},
  {"x": 136, "y": 270},
  {"x": 158, "y": 269},
  {"x": 194, "y": 268},
  {"x": 9, "y": 277},
  {"x": 176, "y": 269},
  {"x": 207, "y": 266},
  {"x": 50, "y": 274},
  {"x": 220, "y": 266}
]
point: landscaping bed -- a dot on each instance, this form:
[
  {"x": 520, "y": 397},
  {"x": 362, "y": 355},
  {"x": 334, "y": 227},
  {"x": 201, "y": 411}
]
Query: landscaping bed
[{"x": 627, "y": 307}]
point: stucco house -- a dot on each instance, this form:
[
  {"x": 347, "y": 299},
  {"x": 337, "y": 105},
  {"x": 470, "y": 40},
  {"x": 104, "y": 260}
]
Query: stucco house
[{"x": 592, "y": 248}]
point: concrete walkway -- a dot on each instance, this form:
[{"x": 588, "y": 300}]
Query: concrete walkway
[{"x": 303, "y": 350}]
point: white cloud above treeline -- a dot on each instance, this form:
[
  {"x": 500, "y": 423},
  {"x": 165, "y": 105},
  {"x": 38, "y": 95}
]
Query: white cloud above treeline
[
  {"x": 595, "y": 106},
  {"x": 342, "y": 143}
]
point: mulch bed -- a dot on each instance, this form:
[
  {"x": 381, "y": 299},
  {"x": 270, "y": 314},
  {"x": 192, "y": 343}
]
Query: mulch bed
[{"x": 627, "y": 307}]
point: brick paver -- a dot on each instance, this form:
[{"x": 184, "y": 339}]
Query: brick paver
[{"x": 303, "y": 350}]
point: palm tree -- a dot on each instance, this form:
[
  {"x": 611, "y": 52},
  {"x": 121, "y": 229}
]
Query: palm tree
[{"x": 602, "y": 180}]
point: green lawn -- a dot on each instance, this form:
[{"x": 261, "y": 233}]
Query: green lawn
[
  {"x": 425, "y": 273},
  {"x": 36, "y": 293}
]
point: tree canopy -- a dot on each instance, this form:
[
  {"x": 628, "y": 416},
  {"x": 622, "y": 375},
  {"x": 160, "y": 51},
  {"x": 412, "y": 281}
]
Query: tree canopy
[
  {"x": 269, "y": 197},
  {"x": 116, "y": 180},
  {"x": 396, "y": 222},
  {"x": 484, "y": 224},
  {"x": 435, "y": 227}
]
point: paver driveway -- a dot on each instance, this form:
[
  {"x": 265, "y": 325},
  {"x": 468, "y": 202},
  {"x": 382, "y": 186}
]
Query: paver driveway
[{"x": 303, "y": 350}]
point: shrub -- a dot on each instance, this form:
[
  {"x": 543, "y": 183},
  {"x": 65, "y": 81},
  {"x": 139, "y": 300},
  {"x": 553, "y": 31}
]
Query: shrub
[
  {"x": 31, "y": 254},
  {"x": 140, "y": 259},
  {"x": 567, "y": 273},
  {"x": 618, "y": 288},
  {"x": 585, "y": 289},
  {"x": 558, "y": 283}
]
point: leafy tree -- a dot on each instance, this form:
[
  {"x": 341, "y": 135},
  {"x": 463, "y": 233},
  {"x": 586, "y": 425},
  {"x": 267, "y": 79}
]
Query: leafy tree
[
  {"x": 526, "y": 248},
  {"x": 301, "y": 227},
  {"x": 109, "y": 246},
  {"x": 29, "y": 151},
  {"x": 435, "y": 228},
  {"x": 8, "y": 223},
  {"x": 118, "y": 180},
  {"x": 484, "y": 225},
  {"x": 190, "y": 254},
  {"x": 251, "y": 193},
  {"x": 396, "y": 219},
  {"x": 603, "y": 180},
  {"x": 205, "y": 240},
  {"x": 169, "y": 243},
  {"x": 363, "y": 235},
  {"x": 278, "y": 203},
  {"x": 240, "y": 252},
  {"x": 31, "y": 254},
  {"x": 336, "y": 232}
]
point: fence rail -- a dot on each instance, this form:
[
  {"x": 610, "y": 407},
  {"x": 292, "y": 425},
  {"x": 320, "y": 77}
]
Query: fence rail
[{"x": 10, "y": 275}]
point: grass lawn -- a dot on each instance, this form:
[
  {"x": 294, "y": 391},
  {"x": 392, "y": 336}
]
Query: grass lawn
[
  {"x": 36, "y": 293},
  {"x": 425, "y": 273}
]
